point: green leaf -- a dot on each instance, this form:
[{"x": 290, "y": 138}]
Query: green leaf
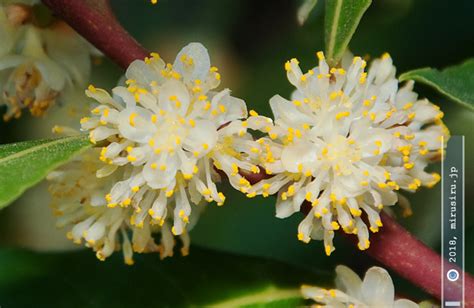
[
  {"x": 341, "y": 20},
  {"x": 456, "y": 82},
  {"x": 304, "y": 10},
  {"x": 205, "y": 277},
  {"x": 24, "y": 164}
]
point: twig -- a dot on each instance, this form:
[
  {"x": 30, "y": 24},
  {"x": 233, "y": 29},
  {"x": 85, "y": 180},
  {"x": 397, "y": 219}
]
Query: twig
[
  {"x": 95, "y": 21},
  {"x": 400, "y": 251}
]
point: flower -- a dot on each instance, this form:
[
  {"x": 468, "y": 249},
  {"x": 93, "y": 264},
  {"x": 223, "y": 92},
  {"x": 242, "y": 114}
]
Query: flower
[
  {"x": 164, "y": 137},
  {"x": 346, "y": 142},
  {"x": 376, "y": 290},
  {"x": 38, "y": 64},
  {"x": 78, "y": 202}
]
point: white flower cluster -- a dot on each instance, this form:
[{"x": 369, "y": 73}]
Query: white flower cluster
[
  {"x": 165, "y": 136},
  {"x": 38, "y": 64},
  {"x": 345, "y": 143},
  {"x": 376, "y": 290},
  {"x": 78, "y": 201}
]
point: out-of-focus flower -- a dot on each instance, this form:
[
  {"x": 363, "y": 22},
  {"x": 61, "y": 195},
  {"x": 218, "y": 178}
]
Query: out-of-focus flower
[
  {"x": 78, "y": 201},
  {"x": 346, "y": 142},
  {"x": 376, "y": 290},
  {"x": 38, "y": 64},
  {"x": 164, "y": 137}
]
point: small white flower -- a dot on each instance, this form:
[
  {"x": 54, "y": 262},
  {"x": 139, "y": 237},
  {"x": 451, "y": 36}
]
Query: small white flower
[
  {"x": 346, "y": 143},
  {"x": 376, "y": 290},
  {"x": 165, "y": 134},
  {"x": 38, "y": 64}
]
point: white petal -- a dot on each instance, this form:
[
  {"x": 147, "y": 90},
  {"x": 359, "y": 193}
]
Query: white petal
[
  {"x": 348, "y": 281},
  {"x": 174, "y": 96},
  {"x": 135, "y": 124},
  {"x": 405, "y": 303},
  {"x": 202, "y": 139},
  {"x": 377, "y": 288},
  {"x": 301, "y": 153},
  {"x": 201, "y": 61}
]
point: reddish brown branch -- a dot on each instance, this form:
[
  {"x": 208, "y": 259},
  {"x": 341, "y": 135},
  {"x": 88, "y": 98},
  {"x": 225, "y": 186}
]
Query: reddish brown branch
[
  {"x": 400, "y": 251},
  {"x": 94, "y": 20}
]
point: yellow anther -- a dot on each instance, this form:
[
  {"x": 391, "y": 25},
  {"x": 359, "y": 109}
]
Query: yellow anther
[
  {"x": 342, "y": 114},
  {"x": 255, "y": 169},
  {"x": 135, "y": 188},
  {"x": 327, "y": 249},
  {"x": 300, "y": 236},
  {"x": 127, "y": 202},
  {"x": 407, "y": 106},
  {"x": 320, "y": 55},
  {"x": 364, "y": 183},
  {"x": 253, "y": 113},
  {"x": 409, "y": 165},
  {"x": 205, "y": 146},
  {"x": 335, "y": 225},
  {"x": 291, "y": 190},
  {"x": 385, "y": 56},
  {"x": 382, "y": 185},
  {"x": 131, "y": 118},
  {"x": 355, "y": 212},
  {"x": 154, "y": 118},
  {"x": 300, "y": 167},
  {"x": 251, "y": 194},
  {"x": 169, "y": 193},
  {"x": 297, "y": 102},
  {"x": 131, "y": 158},
  {"x": 92, "y": 88}
]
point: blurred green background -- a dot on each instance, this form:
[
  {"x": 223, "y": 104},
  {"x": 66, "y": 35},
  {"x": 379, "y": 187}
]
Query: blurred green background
[{"x": 249, "y": 41}]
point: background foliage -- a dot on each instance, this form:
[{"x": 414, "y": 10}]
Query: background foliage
[{"x": 249, "y": 41}]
